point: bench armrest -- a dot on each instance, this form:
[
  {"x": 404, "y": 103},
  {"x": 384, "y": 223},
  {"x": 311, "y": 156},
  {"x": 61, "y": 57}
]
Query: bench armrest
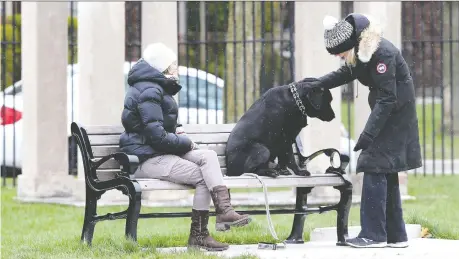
[
  {"x": 128, "y": 163},
  {"x": 303, "y": 161}
]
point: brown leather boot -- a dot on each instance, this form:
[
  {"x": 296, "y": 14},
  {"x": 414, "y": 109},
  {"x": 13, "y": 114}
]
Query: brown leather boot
[
  {"x": 199, "y": 234},
  {"x": 226, "y": 216}
]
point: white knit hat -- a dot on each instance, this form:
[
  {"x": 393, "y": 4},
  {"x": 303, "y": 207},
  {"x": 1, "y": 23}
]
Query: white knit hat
[{"x": 159, "y": 56}]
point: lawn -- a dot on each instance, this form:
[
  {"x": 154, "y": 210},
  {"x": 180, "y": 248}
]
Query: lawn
[
  {"x": 53, "y": 231},
  {"x": 434, "y": 143}
]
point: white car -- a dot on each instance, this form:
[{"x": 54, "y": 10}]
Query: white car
[{"x": 206, "y": 109}]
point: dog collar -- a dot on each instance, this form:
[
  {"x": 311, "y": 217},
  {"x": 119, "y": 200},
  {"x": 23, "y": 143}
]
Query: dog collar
[{"x": 297, "y": 99}]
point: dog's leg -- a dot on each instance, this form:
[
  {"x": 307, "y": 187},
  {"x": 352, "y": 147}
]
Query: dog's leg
[
  {"x": 258, "y": 162},
  {"x": 288, "y": 159}
]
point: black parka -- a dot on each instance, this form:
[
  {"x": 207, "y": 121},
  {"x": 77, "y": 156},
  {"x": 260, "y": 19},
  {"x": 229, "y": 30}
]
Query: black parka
[
  {"x": 393, "y": 122},
  {"x": 150, "y": 115}
]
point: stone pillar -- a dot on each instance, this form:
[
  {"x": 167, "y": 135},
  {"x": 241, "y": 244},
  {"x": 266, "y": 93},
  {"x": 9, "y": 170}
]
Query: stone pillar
[
  {"x": 312, "y": 60},
  {"x": 101, "y": 84},
  {"x": 159, "y": 24},
  {"x": 389, "y": 15},
  {"x": 44, "y": 62}
]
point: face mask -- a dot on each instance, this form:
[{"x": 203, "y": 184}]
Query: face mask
[
  {"x": 172, "y": 72},
  {"x": 172, "y": 77}
]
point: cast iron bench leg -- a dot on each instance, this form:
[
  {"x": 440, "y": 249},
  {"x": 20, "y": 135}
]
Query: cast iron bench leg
[
  {"x": 296, "y": 235},
  {"x": 135, "y": 195},
  {"x": 89, "y": 215},
  {"x": 342, "y": 217}
]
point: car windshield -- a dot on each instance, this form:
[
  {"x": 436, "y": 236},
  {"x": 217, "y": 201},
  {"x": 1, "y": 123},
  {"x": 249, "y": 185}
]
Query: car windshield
[{"x": 209, "y": 95}]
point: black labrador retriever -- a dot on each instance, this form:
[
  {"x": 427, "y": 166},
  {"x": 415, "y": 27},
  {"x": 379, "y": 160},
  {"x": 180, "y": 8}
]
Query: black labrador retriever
[{"x": 269, "y": 127}]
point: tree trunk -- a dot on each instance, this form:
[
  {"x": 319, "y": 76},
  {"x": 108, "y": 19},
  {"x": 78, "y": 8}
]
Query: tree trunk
[{"x": 243, "y": 58}]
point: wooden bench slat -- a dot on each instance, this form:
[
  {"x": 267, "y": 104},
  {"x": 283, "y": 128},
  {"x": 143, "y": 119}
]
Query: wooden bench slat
[
  {"x": 208, "y": 128},
  {"x": 109, "y": 140},
  {"x": 114, "y": 171},
  {"x": 216, "y": 138},
  {"x": 113, "y": 164},
  {"x": 189, "y": 128},
  {"x": 105, "y": 175},
  {"x": 101, "y": 151},
  {"x": 251, "y": 182}
]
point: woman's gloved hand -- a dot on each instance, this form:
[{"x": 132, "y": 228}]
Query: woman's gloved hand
[
  {"x": 364, "y": 142},
  {"x": 179, "y": 130},
  {"x": 194, "y": 146}
]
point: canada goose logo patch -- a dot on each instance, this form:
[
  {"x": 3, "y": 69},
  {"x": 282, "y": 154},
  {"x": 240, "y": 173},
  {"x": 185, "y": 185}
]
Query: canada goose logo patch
[{"x": 381, "y": 68}]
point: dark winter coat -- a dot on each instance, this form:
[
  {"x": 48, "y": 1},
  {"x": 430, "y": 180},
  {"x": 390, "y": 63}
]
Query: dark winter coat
[
  {"x": 150, "y": 115},
  {"x": 268, "y": 129},
  {"x": 393, "y": 123}
]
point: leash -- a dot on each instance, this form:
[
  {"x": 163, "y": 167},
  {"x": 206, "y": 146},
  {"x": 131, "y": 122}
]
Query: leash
[{"x": 267, "y": 245}]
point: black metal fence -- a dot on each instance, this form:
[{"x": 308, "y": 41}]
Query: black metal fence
[
  {"x": 246, "y": 45},
  {"x": 231, "y": 52},
  {"x": 430, "y": 45}
]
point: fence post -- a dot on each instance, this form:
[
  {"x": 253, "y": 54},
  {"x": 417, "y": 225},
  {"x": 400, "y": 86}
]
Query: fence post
[
  {"x": 44, "y": 61},
  {"x": 389, "y": 15},
  {"x": 312, "y": 60},
  {"x": 101, "y": 84}
]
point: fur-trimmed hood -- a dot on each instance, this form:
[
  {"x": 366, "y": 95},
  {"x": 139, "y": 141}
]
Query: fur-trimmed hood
[{"x": 369, "y": 33}]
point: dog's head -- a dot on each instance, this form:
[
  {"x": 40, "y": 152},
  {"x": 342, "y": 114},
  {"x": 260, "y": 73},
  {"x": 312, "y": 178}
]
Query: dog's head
[{"x": 316, "y": 99}]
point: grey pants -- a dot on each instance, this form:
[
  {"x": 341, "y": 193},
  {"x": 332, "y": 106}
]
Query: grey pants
[{"x": 199, "y": 168}]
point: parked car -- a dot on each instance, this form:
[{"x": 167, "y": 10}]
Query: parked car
[{"x": 200, "y": 102}]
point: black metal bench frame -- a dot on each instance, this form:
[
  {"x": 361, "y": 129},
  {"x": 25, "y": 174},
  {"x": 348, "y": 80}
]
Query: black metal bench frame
[{"x": 126, "y": 183}]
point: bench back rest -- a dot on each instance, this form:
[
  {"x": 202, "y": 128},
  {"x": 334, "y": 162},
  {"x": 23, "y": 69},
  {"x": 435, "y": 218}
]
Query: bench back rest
[{"x": 104, "y": 140}]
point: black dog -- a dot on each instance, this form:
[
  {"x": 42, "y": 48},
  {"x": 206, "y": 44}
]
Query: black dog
[{"x": 269, "y": 128}]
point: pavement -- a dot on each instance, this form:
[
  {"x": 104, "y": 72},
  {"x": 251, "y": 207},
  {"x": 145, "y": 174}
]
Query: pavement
[{"x": 420, "y": 248}]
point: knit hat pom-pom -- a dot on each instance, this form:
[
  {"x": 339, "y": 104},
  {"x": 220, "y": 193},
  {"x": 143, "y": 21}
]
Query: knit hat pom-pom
[{"x": 329, "y": 22}]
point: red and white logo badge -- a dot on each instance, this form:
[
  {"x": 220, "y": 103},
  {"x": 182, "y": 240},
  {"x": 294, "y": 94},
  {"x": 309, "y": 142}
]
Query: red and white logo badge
[{"x": 381, "y": 68}]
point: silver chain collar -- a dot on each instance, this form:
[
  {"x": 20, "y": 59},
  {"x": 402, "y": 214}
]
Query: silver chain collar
[{"x": 297, "y": 99}]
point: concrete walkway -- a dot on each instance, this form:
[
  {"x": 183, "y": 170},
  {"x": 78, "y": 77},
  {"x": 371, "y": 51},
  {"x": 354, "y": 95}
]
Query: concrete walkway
[{"x": 420, "y": 248}]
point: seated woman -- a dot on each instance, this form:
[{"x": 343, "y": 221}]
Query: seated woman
[{"x": 150, "y": 121}]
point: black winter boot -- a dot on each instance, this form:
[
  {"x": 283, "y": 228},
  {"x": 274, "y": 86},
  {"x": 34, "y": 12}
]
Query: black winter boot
[
  {"x": 226, "y": 216},
  {"x": 199, "y": 234}
]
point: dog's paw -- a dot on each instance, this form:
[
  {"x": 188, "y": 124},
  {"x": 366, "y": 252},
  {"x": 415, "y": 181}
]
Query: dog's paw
[
  {"x": 268, "y": 172},
  {"x": 303, "y": 173},
  {"x": 284, "y": 171}
]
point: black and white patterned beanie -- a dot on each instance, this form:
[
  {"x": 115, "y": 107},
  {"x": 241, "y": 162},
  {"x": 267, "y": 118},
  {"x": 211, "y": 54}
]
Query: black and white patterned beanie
[{"x": 338, "y": 35}]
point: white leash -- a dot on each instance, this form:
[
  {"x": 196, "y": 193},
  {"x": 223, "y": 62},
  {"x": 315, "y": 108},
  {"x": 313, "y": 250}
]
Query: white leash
[{"x": 263, "y": 245}]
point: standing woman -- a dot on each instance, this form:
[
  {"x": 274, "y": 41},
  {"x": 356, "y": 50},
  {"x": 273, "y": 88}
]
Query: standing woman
[
  {"x": 151, "y": 133},
  {"x": 390, "y": 139}
]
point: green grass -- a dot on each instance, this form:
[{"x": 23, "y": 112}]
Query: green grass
[
  {"x": 430, "y": 131},
  {"x": 53, "y": 231}
]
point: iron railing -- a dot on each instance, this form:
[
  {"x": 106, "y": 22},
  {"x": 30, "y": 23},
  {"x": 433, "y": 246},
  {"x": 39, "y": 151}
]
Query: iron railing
[{"x": 241, "y": 49}]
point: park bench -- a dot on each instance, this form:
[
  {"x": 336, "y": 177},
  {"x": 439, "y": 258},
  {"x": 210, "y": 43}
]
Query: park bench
[{"x": 106, "y": 168}]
